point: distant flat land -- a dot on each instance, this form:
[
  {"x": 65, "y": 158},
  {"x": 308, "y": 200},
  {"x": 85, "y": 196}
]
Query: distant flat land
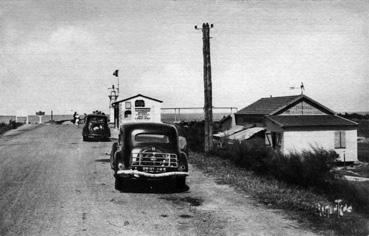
[
  {"x": 166, "y": 117},
  {"x": 33, "y": 119}
]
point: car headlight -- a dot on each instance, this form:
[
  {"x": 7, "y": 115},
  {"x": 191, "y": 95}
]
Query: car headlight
[
  {"x": 120, "y": 166},
  {"x": 182, "y": 167}
]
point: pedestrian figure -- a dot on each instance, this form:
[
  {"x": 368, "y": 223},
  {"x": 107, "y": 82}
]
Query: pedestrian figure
[{"x": 75, "y": 118}]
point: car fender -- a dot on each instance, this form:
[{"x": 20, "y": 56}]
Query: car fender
[
  {"x": 182, "y": 160},
  {"x": 113, "y": 152}
]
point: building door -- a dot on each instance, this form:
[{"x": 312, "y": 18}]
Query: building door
[{"x": 276, "y": 140}]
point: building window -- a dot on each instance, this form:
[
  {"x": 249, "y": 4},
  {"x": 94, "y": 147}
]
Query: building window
[
  {"x": 127, "y": 114},
  {"x": 139, "y": 103},
  {"x": 339, "y": 139},
  {"x": 128, "y": 105}
]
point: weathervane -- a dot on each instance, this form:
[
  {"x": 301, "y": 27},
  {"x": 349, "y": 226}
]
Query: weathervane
[
  {"x": 114, "y": 94},
  {"x": 302, "y": 88},
  {"x": 116, "y": 74}
]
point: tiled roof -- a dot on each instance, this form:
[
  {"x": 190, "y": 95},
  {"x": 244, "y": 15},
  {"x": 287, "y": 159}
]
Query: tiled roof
[
  {"x": 310, "y": 121},
  {"x": 266, "y": 106}
]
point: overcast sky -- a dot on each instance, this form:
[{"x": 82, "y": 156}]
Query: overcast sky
[{"x": 60, "y": 55}]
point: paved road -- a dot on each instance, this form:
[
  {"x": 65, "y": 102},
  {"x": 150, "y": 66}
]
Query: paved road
[{"x": 53, "y": 183}]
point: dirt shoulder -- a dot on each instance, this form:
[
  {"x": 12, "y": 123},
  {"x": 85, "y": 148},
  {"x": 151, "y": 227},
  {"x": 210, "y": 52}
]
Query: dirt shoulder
[
  {"x": 296, "y": 203},
  {"x": 236, "y": 212}
]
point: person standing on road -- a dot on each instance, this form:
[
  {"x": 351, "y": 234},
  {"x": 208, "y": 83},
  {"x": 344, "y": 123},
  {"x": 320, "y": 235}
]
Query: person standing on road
[{"x": 76, "y": 118}]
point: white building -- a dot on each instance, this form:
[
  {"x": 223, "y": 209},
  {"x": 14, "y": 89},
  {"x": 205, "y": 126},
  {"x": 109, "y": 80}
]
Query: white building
[
  {"x": 138, "y": 108},
  {"x": 297, "y": 123}
]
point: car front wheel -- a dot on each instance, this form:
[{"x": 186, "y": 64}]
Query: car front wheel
[
  {"x": 120, "y": 183},
  {"x": 180, "y": 182},
  {"x": 114, "y": 148}
]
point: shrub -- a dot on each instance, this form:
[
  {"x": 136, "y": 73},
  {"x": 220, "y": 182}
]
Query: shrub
[
  {"x": 306, "y": 169},
  {"x": 194, "y": 132},
  {"x": 5, "y": 127},
  {"x": 247, "y": 154}
]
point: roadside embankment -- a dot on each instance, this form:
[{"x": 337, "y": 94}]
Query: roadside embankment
[
  {"x": 299, "y": 202},
  {"x": 4, "y": 127}
]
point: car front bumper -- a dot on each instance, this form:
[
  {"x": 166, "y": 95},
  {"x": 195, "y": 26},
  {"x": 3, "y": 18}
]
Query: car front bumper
[{"x": 137, "y": 174}]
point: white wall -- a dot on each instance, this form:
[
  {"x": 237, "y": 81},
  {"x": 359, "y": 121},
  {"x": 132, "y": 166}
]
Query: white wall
[
  {"x": 154, "y": 110},
  {"x": 302, "y": 140}
]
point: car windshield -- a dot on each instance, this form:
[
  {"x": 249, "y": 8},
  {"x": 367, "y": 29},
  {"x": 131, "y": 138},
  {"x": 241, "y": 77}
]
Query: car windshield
[
  {"x": 151, "y": 138},
  {"x": 97, "y": 120}
]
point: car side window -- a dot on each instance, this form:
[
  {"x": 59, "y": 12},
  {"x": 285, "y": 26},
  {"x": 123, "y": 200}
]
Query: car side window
[{"x": 127, "y": 114}]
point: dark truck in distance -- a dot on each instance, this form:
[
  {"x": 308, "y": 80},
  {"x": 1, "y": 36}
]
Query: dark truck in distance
[
  {"x": 148, "y": 151},
  {"x": 96, "y": 128}
]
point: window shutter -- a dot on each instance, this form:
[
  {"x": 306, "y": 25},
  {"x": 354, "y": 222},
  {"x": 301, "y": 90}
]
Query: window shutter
[
  {"x": 336, "y": 139},
  {"x": 343, "y": 139}
]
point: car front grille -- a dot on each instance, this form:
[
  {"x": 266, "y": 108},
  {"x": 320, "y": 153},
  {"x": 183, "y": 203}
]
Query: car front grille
[{"x": 154, "y": 159}]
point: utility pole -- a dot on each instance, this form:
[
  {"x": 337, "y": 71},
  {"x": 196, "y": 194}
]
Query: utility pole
[{"x": 208, "y": 104}]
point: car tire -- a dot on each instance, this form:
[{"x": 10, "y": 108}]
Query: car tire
[
  {"x": 180, "y": 182},
  {"x": 85, "y": 138},
  {"x": 120, "y": 183},
  {"x": 114, "y": 148}
]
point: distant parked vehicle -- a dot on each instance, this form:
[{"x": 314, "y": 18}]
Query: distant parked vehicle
[
  {"x": 148, "y": 151},
  {"x": 96, "y": 128}
]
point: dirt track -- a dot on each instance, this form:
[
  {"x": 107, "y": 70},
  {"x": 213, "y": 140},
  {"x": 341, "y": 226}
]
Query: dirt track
[{"x": 53, "y": 183}]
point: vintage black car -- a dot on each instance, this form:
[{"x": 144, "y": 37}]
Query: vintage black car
[
  {"x": 96, "y": 128},
  {"x": 148, "y": 151}
]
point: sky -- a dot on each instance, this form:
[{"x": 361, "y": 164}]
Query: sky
[{"x": 60, "y": 55}]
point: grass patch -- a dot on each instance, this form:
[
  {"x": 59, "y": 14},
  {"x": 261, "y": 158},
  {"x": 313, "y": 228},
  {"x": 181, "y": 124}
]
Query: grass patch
[{"x": 301, "y": 203}]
